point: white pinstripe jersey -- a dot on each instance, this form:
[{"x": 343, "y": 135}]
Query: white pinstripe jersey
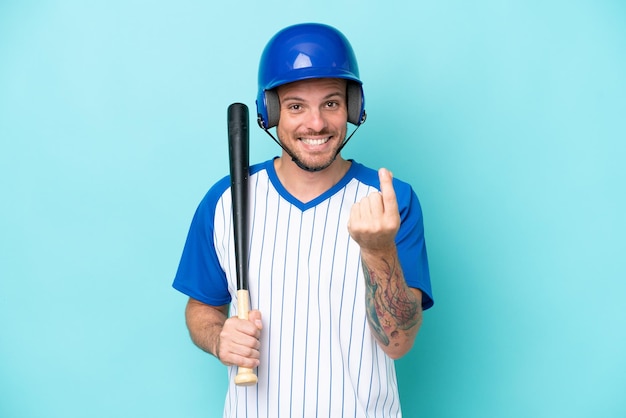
[{"x": 318, "y": 356}]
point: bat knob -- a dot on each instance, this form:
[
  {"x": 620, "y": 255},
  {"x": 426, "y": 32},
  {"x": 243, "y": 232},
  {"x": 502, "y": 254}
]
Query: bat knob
[{"x": 245, "y": 377}]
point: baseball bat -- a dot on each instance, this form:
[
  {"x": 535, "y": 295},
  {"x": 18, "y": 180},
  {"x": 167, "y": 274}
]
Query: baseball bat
[{"x": 238, "y": 152}]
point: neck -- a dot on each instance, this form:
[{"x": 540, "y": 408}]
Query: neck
[{"x": 306, "y": 185}]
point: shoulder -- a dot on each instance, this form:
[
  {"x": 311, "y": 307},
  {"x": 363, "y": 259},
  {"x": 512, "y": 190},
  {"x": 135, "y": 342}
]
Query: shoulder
[{"x": 222, "y": 186}]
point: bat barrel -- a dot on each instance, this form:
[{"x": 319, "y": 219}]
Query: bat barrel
[{"x": 239, "y": 150}]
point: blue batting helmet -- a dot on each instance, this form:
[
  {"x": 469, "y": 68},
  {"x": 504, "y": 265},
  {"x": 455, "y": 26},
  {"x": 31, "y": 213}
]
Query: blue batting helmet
[{"x": 306, "y": 51}]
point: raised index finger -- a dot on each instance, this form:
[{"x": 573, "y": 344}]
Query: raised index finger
[{"x": 386, "y": 189}]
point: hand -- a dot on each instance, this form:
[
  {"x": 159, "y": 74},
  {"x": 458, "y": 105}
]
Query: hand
[
  {"x": 375, "y": 220},
  {"x": 239, "y": 341}
]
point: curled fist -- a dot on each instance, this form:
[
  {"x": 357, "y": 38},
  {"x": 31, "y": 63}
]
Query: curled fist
[
  {"x": 239, "y": 341},
  {"x": 375, "y": 220}
]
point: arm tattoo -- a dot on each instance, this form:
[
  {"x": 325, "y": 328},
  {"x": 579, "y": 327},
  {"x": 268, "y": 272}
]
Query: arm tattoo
[
  {"x": 389, "y": 307},
  {"x": 372, "y": 307}
]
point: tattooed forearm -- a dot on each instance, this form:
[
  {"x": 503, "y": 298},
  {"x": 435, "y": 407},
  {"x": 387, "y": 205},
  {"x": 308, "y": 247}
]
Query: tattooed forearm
[
  {"x": 402, "y": 307},
  {"x": 393, "y": 310},
  {"x": 373, "y": 308}
]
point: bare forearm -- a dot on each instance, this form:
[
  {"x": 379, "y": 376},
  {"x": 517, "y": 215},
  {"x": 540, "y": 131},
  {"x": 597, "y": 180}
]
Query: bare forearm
[
  {"x": 394, "y": 310},
  {"x": 205, "y": 324}
]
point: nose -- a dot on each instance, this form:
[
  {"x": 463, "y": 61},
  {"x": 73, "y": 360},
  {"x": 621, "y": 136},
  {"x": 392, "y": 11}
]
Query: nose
[{"x": 316, "y": 121}]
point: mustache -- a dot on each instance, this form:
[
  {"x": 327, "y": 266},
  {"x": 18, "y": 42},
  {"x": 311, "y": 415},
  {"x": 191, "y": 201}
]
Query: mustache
[{"x": 323, "y": 132}]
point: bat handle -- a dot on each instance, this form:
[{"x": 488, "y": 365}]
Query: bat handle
[{"x": 245, "y": 376}]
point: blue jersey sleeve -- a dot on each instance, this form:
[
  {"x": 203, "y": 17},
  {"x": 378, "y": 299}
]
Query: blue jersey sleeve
[
  {"x": 200, "y": 274},
  {"x": 411, "y": 243}
]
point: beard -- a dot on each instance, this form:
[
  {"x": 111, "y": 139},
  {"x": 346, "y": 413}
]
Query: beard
[{"x": 312, "y": 161}]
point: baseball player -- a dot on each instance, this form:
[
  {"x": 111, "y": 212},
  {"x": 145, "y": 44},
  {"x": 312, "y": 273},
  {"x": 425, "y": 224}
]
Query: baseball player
[{"x": 338, "y": 270}]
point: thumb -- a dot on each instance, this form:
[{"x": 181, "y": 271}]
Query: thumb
[{"x": 255, "y": 317}]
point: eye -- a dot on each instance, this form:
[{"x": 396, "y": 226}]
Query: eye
[
  {"x": 331, "y": 104},
  {"x": 295, "y": 107}
]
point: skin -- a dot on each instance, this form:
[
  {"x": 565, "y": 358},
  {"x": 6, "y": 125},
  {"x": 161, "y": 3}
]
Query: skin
[
  {"x": 393, "y": 309},
  {"x": 312, "y": 126}
]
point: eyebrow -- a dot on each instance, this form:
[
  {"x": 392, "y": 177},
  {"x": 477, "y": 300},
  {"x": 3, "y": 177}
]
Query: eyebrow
[{"x": 327, "y": 97}]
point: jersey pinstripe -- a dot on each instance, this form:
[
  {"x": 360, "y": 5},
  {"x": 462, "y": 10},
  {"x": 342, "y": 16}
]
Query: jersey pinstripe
[{"x": 318, "y": 357}]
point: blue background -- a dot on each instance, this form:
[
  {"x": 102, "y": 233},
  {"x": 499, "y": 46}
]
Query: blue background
[{"x": 506, "y": 116}]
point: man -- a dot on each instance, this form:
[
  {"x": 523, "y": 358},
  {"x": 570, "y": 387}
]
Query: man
[{"x": 338, "y": 273}]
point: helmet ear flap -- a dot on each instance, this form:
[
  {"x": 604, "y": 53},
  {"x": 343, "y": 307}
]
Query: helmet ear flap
[
  {"x": 356, "y": 111},
  {"x": 272, "y": 105}
]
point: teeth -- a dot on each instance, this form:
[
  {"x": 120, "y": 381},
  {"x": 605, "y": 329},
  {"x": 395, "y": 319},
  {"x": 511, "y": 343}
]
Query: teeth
[{"x": 311, "y": 141}]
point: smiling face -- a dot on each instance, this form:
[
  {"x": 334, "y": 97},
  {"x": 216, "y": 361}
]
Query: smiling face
[{"x": 313, "y": 120}]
